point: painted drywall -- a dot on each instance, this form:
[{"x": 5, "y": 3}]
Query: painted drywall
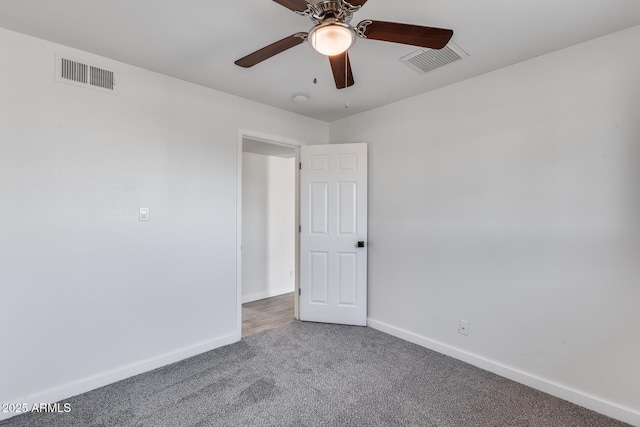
[
  {"x": 255, "y": 171},
  {"x": 89, "y": 294},
  {"x": 512, "y": 201},
  {"x": 268, "y": 226}
]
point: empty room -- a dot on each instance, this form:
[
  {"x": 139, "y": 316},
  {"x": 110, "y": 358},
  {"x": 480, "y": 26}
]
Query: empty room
[{"x": 319, "y": 213}]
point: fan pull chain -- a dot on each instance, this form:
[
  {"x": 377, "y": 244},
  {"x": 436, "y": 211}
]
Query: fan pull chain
[
  {"x": 315, "y": 69},
  {"x": 346, "y": 77},
  {"x": 346, "y": 61}
]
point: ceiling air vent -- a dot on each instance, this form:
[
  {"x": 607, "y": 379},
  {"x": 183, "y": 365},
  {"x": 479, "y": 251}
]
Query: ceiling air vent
[
  {"x": 79, "y": 73},
  {"x": 425, "y": 60}
]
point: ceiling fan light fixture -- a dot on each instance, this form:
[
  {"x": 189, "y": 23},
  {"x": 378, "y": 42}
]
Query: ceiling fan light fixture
[{"x": 332, "y": 38}]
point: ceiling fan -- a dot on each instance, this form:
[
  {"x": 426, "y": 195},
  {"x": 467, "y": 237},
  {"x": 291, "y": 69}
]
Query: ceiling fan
[{"x": 332, "y": 35}]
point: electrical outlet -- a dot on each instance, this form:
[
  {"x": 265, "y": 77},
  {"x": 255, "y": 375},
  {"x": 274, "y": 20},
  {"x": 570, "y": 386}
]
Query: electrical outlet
[
  {"x": 463, "y": 327},
  {"x": 144, "y": 214}
]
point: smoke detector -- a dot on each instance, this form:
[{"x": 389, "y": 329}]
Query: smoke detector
[{"x": 300, "y": 98}]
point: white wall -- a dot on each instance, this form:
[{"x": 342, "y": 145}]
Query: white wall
[
  {"x": 255, "y": 238},
  {"x": 512, "y": 201},
  {"x": 268, "y": 226},
  {"x": 88, "y": 294}
]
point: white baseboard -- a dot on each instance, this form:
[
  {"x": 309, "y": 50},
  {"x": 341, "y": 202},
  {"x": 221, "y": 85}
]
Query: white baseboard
[
  {"x": 255, "y": 296},
  {"x": 71, "y": 389},
  {"x": 579, "y": 398}
]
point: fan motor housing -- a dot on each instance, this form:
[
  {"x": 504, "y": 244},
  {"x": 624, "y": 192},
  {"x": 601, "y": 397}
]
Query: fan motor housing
[{"x": 339, "y": 10}]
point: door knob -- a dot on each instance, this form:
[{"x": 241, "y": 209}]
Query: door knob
[{"x": 360, "y": 244}]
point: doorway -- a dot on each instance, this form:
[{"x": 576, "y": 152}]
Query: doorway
[{"x": 268, "y": 238}]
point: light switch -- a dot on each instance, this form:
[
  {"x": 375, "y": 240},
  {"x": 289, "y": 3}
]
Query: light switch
[{"x": 144, "y": 214}]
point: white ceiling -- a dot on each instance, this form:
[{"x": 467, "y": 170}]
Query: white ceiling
[
  {"x": 267, "y": 148},
  {"x": 198, "y": 41}
]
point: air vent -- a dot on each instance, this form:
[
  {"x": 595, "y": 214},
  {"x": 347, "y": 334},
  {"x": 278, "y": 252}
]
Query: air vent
[
  {"x": 79, "y": 73},
  {"x": 74, "y": 71},
  {"x": 101, "y": 78},
  {"x": 425, "y": 60}
]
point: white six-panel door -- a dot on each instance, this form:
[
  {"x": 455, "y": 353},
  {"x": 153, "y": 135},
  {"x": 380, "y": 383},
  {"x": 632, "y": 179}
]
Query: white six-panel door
[{"x": 333, "y": 234}]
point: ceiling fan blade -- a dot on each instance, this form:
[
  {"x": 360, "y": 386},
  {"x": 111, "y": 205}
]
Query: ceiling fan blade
[
  {"x": 295, "y": 5},
  {"x": 271, "y": 50},
  {"x": 341, "y": 67},
  {"x": 415, "y": 35}
]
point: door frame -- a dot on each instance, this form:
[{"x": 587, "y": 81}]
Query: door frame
[{"x": 274, "y": 140}]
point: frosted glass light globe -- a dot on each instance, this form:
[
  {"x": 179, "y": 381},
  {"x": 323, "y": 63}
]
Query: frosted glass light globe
[{"x": 332, "y": 38}]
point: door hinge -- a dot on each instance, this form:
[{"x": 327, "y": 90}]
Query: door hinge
[
  {"x": 299, "y": 291},
  {"x": 300, "y": 165},
  {"x": 299, "y": 229}
]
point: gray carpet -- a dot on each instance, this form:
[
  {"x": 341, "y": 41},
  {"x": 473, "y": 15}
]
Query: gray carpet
[{"x": 306, "y": 374}]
